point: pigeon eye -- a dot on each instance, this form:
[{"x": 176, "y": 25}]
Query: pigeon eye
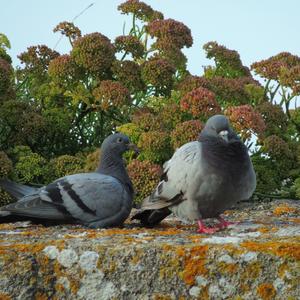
[{"x": 119, "y": 140}]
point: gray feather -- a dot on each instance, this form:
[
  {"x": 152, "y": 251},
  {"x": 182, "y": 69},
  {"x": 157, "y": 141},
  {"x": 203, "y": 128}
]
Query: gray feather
[
  {"x": 17, "y": 190},
  {"x": 204, "y": 177},
  {"x": 99, "y": 199}
]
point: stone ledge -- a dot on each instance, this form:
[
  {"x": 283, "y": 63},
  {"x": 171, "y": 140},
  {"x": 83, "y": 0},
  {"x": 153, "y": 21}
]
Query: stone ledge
[{"x": 257, "y": 259}]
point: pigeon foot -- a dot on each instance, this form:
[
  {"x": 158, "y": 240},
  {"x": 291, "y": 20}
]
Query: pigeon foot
[
  {"x": 203, "y": 229},
  {"x": 223, "y": 223}
]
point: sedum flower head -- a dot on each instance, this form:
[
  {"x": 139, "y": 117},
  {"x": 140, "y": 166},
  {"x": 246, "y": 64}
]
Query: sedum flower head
[
  {"x": 111, "y": 94},
  {"x": 228, "y": 62},
  {"x": 68, "y": 29},
  {"x": 140, "y": 10},
  {"x": 63, "y": 67},
  {"x": 192, "y": 82},
  {"x": 271, "y": 68},
  {"x": 200, "y": 102},
  {"x": 246, "y": 120},
  {"x": 37, "y": 58},
  {"x": 185, "y": 132},
  {"x": 94, "y": 52},
  {"x": 170, "y": 115},
  {"x": 146, "y": 120},
  {"x": 291, "y": 78},
  {"x": 131, "y": 44},
  {"x": 158, "y": 72},
  {"x": 129, "y": 74},
  {"x": 170, "y": 32},
  {"x": 155, "y": 146}
]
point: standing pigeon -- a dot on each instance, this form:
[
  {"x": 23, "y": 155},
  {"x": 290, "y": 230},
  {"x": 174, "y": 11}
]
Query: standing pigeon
[
  {"x": 99, "y": 199},
  {"x": 203, "y": 178}
]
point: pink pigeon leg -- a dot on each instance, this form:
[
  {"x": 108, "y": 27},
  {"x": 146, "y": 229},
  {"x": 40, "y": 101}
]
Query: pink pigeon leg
[
  {"x": 203, "y": 229},
  {"x": 223, "y": 223}
]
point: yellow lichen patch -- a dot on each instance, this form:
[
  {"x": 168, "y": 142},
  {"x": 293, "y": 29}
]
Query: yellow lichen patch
[
  {"x": 252, "y": 270},
  {"x": 283, "y": 268},
  {"x": 266, "y": 291},
  {"x": 58, "y": 269},
  {"x": 284, "y": 209},
  {"x": 161, "y": 297},
  {"x": 204, "y": 295},
  {"x": 40, "y": 296},
  {"x": 7, "y": 226},
  {"x": 43, "y": 262},
  {"x": 170, "y": 262},
  {"x": 232, "y": 250},
  {"x": 225, "y": 268},
  {"x": 137, "y": 256},
  {"x": 194, "y": 262},
  {"x": 4, "y": 297},
  {"x": 279, "y": 248}
]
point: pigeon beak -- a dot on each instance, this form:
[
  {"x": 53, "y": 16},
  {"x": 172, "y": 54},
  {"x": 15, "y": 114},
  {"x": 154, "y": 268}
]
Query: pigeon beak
[
  {"x": 133, "y": 147},
  {"x": 224, "y": 135}
]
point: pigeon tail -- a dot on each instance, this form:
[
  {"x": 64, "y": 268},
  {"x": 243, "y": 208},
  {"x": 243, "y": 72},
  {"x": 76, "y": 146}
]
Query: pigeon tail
[
  {"x": 17, "y": 190},
  {"x": 151, "y": 218}
]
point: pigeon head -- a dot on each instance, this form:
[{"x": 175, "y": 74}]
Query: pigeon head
[
  {"x": 218, "y": 126},
  {"x": 117, "y": 144}
]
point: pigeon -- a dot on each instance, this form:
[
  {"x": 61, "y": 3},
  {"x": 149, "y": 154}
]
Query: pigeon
[
  {"x": 97, "y": 200},
  {"x": 202, "y": 179}
]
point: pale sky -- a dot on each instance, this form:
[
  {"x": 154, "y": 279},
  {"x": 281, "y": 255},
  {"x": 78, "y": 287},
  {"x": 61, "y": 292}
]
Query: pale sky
[{"x": 257, "y": 29}]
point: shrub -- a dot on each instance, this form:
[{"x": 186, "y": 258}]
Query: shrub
[
  {"x": 185, "y": 132},
  {"x": 6, "y": 165},
  {"x": 65, "y": 165},
  {"x": 145, "y": 176},
  {"x": 155, "y": 145}
]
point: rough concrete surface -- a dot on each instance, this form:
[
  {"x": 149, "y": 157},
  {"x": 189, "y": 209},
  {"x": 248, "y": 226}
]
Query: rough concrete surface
[{"x": 255, "y": 259}]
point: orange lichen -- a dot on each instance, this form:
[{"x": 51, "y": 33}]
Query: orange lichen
[
  {"x": 59, "y": 287},
  {"x": 33, "y": 248},
  {"x": 279, "y": 248},
  {"x": 194, "y": 262},
  {"x": 266, "y": 291},
  {"x": 108, "y": 232},
  {"x": 40, "y": 296},
  {"x": 284, "y": 209},
  {"x": 4, "y": 297},
  {"x": 74, "y": 285},
  {"x": 294, "y": 220},
  {"x": 267, "y": 229},
  {"x": 263, "y": 229}
]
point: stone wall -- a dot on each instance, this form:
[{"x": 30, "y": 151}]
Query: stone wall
[{"x": 256, "y": 259}]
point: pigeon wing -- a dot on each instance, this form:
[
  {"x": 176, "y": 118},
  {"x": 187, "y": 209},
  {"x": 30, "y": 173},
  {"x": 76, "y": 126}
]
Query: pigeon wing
[
  {"x": 85, "y": 197},
  {"x": 177, "y": 176}
]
